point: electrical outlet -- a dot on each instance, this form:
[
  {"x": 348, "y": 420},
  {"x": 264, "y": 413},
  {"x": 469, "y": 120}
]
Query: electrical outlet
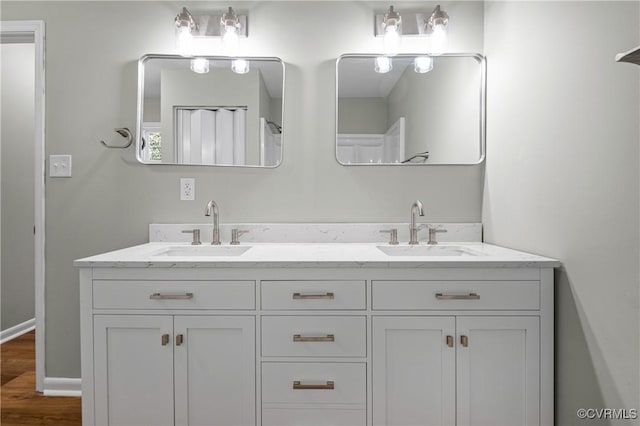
[
  {"x": 59, "y": 166},
  {"x": 187, "y": 189}
]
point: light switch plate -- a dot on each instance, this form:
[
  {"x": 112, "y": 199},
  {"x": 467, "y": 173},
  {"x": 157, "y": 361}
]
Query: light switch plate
[{"x": 60, "y": 166}]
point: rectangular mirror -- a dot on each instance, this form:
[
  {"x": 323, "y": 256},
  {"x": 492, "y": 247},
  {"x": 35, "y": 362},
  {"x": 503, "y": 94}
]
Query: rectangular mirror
[
  {"x": 423, "y": 110},
  {"x": 198, "y": 111}
]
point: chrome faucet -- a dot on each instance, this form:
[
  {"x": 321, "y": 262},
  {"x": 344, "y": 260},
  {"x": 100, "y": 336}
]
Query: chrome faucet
[
  {"x": 416, "y": 207},
  {"x": 213, "y": 207}
]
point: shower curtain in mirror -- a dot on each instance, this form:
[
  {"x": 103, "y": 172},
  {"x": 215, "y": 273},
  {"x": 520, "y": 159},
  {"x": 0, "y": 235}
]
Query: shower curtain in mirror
[{"x": 211, "y": 136}]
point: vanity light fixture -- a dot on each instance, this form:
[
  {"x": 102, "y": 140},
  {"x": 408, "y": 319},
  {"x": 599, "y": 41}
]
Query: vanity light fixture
[
  {"x": 185, "y": 27},
  {"x": 436, "y": 27},
  {"x": 391, "y": 38},
  {"x": 200, "y": 65},
  {"x": 228, "y": 25},
  {"x": 432, "y": 25},
  {"x": 383, "y": 64},
  {"x": 422, "y": 64}
]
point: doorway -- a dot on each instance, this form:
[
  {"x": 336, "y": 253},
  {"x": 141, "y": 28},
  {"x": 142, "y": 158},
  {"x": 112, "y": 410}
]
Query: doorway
[{"x": 22, "y": 195}]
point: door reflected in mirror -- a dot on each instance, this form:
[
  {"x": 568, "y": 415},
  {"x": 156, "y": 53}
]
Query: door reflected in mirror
[
  {"x": 201, "y": 112},
  {"x": 423, "y": 110}
]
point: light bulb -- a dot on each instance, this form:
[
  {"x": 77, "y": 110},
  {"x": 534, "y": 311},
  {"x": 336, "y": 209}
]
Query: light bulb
[
  {"x": 230, "y": 41},
  {"x": 382, "y": 64},
  {"x": 391, "y": 40},
  {"x": 439, "y": 39},
  {"x": 240, "y": 66},
  {"x": 184, "y": 39},
  {"x": 422, "y": 64},
  {"x": 200, "y": 65}
]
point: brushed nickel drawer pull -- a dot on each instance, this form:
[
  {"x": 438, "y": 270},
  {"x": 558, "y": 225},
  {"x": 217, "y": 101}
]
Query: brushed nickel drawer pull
[
  {"x": 299, "y": 386},
  {"x": 302, "y": 296},
  {"x": 464, "y": 340},
  {"x": 327, "y": 338},
  {"x": 160, "y": 296},
  {"x": 165, "y": 339},
  {"x": 179, "y": 339},
  {"x": 450, "y": 341},
  {"x": 470, "y": 296}
]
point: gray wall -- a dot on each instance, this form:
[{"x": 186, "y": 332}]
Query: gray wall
[
  {"x": 362, "y": 116},
  {"x": 442, "y": 110},
  {"x": 110, "y": 200},
  {"x": 562, "y": 180},
  {"x": 18, "y": 133}
]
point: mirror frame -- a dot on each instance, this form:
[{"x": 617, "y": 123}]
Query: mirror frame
[
  {"x": 483, "y": 106},
  {"x": 140, "y": 103}
]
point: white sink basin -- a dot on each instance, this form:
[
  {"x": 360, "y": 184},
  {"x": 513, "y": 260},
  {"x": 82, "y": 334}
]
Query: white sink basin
[
  {"x": 419, "y": 250},
  {"x": 203, "y": 251}
]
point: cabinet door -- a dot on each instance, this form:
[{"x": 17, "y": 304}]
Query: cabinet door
[
  {"x": 413, "y": 371},
  {"x": 133, "y": 370},
  {"x": 215, "y": 370},
  {"x": 498, "y": 371}
]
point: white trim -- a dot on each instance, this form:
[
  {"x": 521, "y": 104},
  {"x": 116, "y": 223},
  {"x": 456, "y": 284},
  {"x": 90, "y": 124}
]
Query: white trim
[
  {"x": 17, "y": 330},
  {"x": 37, "y": 28},
  {"x": 61, "y": 386}
]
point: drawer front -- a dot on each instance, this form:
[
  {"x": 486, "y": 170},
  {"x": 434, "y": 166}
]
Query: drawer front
[
  {"x": 331, "y": 336},
  {"x": 454, "y": 295},
  {"x": 293, "y": 295},
  {"x": 173, "y": 294},
  {"x": 313, "y": 417},
  {"x": 313, "y": 383}
]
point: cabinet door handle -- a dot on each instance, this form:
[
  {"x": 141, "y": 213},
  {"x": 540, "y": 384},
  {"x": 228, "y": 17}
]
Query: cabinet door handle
[
  {"x": 302, "y": 296},
  {"x": 160, "y": 296},
  {"x": 179, "y": 339},
  {"x": 450, "y": 341},
  {"x": 327, "y": 338},
  {"x": 470, "y": 296},
  {"x": 300, "y": 386},
  {"x": 165, "y": 339},
  {"x": 464, "y": 341}
]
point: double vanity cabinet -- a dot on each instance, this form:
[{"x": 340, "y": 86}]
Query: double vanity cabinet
[{"x": 312, "y": 339}]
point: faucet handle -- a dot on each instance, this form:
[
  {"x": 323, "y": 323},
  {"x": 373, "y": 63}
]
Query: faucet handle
[
  {"x": 196, "y": 236},
  {"x": 432, "y": 234},
  {"x": 235, "y": 234},
  {"x": 393, "y": 236}
]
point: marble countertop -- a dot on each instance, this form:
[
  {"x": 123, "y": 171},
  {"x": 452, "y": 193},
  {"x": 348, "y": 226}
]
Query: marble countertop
[{"x": 316, "y": 255}]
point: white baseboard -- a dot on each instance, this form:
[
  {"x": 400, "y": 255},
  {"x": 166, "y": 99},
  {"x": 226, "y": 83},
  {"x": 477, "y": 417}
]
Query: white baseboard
[
  {"x": 17, "y": 330},
  {"x": 60, "y": 386}
]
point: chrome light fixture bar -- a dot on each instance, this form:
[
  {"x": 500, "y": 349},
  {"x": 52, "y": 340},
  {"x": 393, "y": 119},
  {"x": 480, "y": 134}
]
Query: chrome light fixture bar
[
  {"x": 213, "y": 25},
  {"x": 229, "y": 26},
  {"x": 190, "y": 26},
  {"x": 432, "y": 25}
]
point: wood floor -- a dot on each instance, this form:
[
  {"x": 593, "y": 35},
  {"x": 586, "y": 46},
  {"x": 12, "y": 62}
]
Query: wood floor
[{"x": 21, "y": 404}]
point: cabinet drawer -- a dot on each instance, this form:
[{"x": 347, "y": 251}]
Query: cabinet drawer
[
  {"x": 462, "y": 295},
  {"x": 337, "y": 383},
  {"x": 313, "y": 417},
  {"x": 337, "y": 336},
  {"x": 173, "y": 294},
  {"x": 313, "y": 295}
]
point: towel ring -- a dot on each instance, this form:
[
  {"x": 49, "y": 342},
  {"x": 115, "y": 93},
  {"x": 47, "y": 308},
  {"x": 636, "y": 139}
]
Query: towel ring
[{"x": 125, "y": 133}]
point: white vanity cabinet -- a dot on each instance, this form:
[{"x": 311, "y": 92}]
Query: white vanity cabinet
[
  {"x": 165, "y": 351},
  {"x": 353, "y": 345},
  {"x": 456, "y": 370},
  {"x": 445, "y": 366},
  {"x": 314, "y": 352}
]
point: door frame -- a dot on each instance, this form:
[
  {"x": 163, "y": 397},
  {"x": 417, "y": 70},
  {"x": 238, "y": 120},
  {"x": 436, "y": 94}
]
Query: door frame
[{"x": 34, "y": 31}]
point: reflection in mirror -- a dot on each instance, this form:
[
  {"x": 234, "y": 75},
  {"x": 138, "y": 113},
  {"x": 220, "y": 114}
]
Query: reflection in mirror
[
  {"x": 201, "y": 112},
  {"x": 420, "y": 111}
]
